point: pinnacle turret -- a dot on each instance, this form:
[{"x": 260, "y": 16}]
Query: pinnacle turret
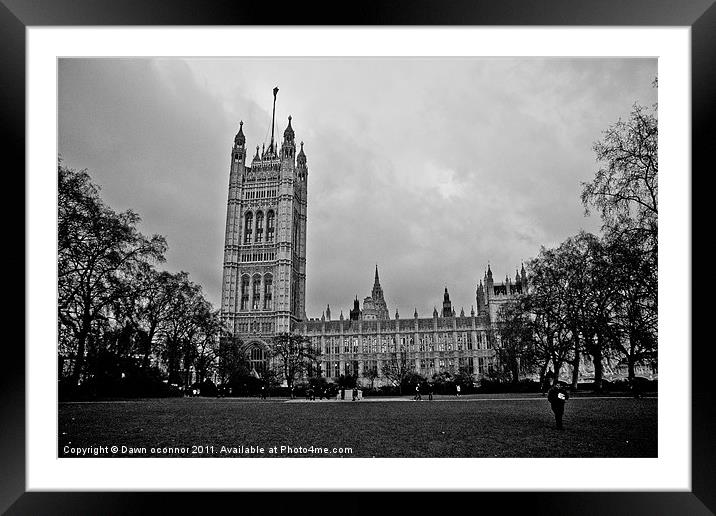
[{"x": 240, "y": 139}]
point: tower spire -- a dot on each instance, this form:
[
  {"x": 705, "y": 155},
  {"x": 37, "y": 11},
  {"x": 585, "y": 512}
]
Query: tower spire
[
  {"x": 273, "y": 115},
  {"x": 377, "y": 281}
]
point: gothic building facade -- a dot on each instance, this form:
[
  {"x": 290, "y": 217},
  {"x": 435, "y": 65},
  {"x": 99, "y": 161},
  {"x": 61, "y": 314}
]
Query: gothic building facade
[
  {"x": 264, "y": 282},
  {"x": 444, "y": 342},
  {"x": 264, "y": 269}
]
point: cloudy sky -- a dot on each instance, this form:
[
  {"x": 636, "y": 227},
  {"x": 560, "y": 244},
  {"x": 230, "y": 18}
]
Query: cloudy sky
[{"x": 429, "y": 168}]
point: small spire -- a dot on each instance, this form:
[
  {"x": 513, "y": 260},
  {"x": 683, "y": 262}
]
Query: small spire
[
  {"x": 435, "y": 312},
  {"x": 462, "y": 312},
  {"x": 416, "y": 312},
  {"x": 341, "y": 314},
  {"x": 240, "y": 138},
  {"x": 288, "y": 133},
  {"x": 472, "y": 311},
  {"x": 397, "y": 315}
]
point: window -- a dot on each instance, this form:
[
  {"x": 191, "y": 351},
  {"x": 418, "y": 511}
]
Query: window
[
  {"x": 256, "y": 293},
  {"x": 259, "y": 227},
  {"x": 257, "y": 359},
  {"x": 268, "y": 297},
  {"x": 269, "y": 226},
  {"x": 244, "y": 293},
  {"x": 248, "y": 227}
]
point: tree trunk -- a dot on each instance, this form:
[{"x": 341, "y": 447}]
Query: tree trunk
[
  {"x": 81, "y": 348},
  {"x": 542, "y": 373},
  {"x": 557, "y": 368},
  {"x": 148, "y": 348},
  {"x": 598, "y": 367},
  {"x": 575, "y": 364},
  {"x": 516, "y": 371},
  {"x": 631, "y": 365}
]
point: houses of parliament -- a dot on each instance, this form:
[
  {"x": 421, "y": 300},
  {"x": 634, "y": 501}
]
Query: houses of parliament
[{"x": 264, "y": 282}]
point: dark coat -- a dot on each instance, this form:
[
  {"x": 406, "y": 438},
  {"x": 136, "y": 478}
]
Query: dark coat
[{"x": 553, "y": 396}]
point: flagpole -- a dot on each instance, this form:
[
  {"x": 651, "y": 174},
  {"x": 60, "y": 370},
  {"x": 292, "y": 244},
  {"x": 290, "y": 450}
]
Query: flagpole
[{"x": 273, "y": 115}]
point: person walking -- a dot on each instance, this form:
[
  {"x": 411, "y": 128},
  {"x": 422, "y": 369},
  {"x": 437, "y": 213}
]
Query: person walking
[
  {"x": 418, "y": 397},
  {"x": 457, "y": 391},
  {"x": 355, "y": 393},
  {"x": 430, "y": 392},
  {"x": 557, "y": 397}
]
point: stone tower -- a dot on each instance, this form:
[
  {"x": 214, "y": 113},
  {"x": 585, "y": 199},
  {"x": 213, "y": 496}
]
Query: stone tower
[
  {"x": 264, "y": 278},
  {"x": 374, "y": 306},
  {"x": 447, "y": 305}
]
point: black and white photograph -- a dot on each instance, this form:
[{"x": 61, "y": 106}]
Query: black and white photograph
[{"x": 369, "y": 257}]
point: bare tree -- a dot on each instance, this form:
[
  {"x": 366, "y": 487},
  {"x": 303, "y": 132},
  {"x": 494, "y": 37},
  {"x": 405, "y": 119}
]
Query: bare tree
[
  {"x": 625, "y": 191},
  {"x": 397, "y": 369},
  {"x": 371, "y": 374},
  {"x": 293, "y": 354}
]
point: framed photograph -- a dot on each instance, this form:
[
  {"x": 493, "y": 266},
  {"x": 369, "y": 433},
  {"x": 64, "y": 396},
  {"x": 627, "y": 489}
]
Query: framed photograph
[{"x": 416, "y": 253}]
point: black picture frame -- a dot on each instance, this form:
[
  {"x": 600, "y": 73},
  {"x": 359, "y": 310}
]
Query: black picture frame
[{"x": 700, "y": 15}]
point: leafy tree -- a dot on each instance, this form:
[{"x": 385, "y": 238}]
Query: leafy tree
[
  {"x": 180, "y": 327},
  {"x": 443, "y": 381},
  {"x": 207, "y": 350},
  {"x": 347, "y": 381},
  {"x": 230, "y": 358},
  {"x": 515, "y": 345},
  {"x": 99, "y": 250},
  {"x": 546, "y": 302},
  {"x": 464, "y": 378}
]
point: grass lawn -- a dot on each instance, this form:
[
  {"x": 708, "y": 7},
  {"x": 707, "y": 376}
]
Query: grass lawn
[{"x": 502, "y": 425}]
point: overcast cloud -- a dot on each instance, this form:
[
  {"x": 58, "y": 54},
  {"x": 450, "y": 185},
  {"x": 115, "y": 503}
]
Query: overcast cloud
[{"x": 428, "y": 167}]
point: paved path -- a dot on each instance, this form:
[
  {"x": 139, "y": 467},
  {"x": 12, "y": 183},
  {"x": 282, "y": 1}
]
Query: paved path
[{"x": 461, "y": 399}]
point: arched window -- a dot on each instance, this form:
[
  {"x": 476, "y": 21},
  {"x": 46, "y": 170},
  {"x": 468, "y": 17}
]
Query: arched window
[
  {"x": 257, "y": 359},
  {"x": 259, "y": 227},
  {"x": 248, "y": 227},
  {"x": 269, "y": 226},
  {"x": 268, "y": 297},
  {"x": 256, "y": 299},
  {"x": 244, "y": 293}
]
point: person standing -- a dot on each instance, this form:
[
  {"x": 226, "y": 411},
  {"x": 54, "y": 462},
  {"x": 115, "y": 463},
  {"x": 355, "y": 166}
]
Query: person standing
[
  {"x": 430, "y": 392},
  {"x": 457, "y": 391},
  {"x": 557, "y": 397}
]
